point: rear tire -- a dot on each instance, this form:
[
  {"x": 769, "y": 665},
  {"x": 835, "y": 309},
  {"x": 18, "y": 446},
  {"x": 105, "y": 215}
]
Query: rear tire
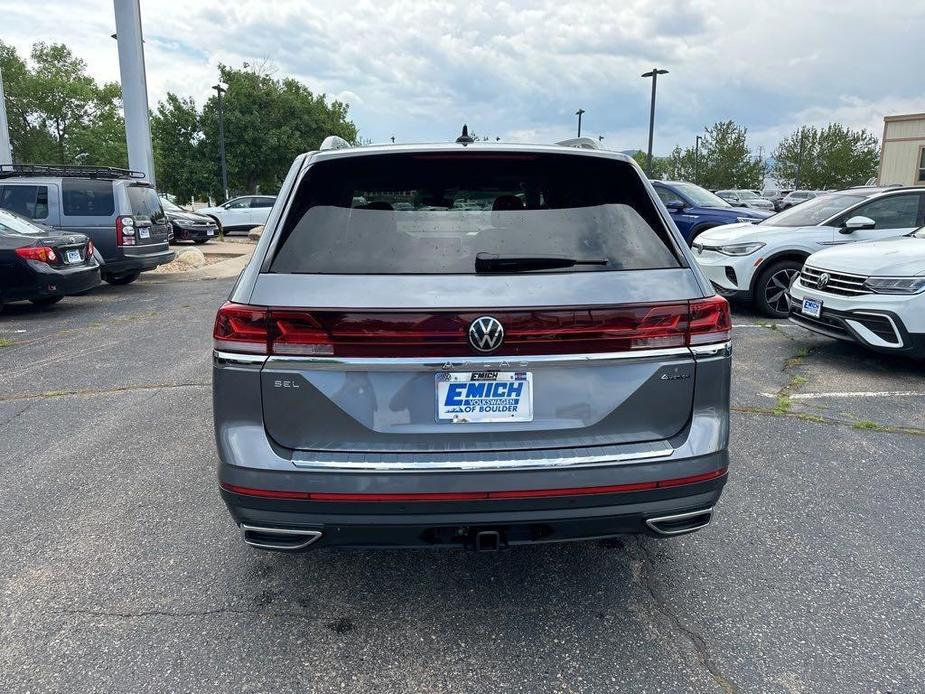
[
  {"x": 119, "y": 280},
  {"x": 771, "y": 289},
  {"x": 46, "y": 300}
]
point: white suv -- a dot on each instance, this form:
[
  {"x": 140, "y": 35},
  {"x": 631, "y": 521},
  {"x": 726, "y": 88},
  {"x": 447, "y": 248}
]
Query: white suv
[
  {"x": 758, "y": 262},
  {"x": 242, "y": 213},
  {"x": 870, "y": 293}
]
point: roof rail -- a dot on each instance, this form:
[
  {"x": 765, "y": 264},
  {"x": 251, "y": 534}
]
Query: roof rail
[
  {"x": 334, "y": 142},
  {"x": 580, "y": 143},
  {"x": 67, "y": 170}
]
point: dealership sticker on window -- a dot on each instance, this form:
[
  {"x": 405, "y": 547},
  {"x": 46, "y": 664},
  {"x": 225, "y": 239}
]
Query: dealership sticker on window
[{"x": 484, "y": 396}]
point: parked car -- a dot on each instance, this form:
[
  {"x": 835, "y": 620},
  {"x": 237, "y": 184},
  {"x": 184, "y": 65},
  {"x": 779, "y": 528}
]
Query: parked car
[
  {"x": 758, "y": 262},
  {"x": 870, "y": 293},
  {"x": 798, "y": 196},
  {"x": 554, "y": 367},
  {"x": 188, "y": 226},
  {"x": 41, "y": 265},
  {"x": 776, "y": 196},
  {"x": 745, "y": 198},
  {"x": 241, "y": 213},
  {"x": 120, "y": 213},
  {"x": 694, "y": 209}
]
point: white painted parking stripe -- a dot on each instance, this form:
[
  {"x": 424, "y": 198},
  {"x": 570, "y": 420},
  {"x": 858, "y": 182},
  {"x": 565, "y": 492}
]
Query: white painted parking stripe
[
  {"x": 859, "y": 394},
  {"x": 765, "y": 325}
]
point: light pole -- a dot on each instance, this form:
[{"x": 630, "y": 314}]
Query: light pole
[
  {"x": 796, "y": 185},
  {"x": 653, "y": 73},
  {"x": 697, "y": 159},
  {"x": 578, "y": 113},
  {"x": 6, "y": 155},
  {"x": 220, "y": 90}
]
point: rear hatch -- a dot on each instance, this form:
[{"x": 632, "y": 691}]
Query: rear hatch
[
  {"x": 150, "y": 221},
  {"x": 428, "y": 303}
]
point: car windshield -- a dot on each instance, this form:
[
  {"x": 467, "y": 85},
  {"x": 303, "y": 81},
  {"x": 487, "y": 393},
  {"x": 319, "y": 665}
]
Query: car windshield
[
  {"x": 167, "y": 205},
  {"x": 11, "y": 223},
  {"x": 813, "y": 212},
  {"x": 440, "y": 213},
  {"x": 747, "y": 195},
  {"x": 699, "y": 196}
]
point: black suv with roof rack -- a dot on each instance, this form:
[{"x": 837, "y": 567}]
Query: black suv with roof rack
[{"x": 121, "y": 213}]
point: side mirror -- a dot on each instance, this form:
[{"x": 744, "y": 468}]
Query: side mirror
[
  {"x": 675, "y": 205},
  {"x": 859, "y": 222}
]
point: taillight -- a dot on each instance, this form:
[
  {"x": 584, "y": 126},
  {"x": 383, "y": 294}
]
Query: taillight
[
  {"x": 43, "y": 254},
  {"x": 259, "y": 330},
  {"x": 125, "y": 231},
  {"x": 241, "y": 329},
  {"x": 710, "y": 321},
  {"x": 89, "y": 253}
]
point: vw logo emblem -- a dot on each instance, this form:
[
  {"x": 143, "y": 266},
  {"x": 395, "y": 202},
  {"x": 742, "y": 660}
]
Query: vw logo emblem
[
  {"x": 486, "y": 334},
  {"x": 823, "y": 281}
]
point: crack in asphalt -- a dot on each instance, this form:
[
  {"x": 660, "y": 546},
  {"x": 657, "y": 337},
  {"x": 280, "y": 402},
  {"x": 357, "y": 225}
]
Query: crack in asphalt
[
  {"x": 697, "y": 641},
  {"x": 102, "y": 391},
  {"x": 18, "y": 414},
  {"x": 832, "y": 421}
]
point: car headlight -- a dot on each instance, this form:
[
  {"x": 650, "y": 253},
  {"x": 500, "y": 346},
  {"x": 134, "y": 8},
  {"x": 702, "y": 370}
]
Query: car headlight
[
  {"x": 740, "y": 248},
  {"x": 895, "y": 285},
  {"x": 747, "y": 220}
]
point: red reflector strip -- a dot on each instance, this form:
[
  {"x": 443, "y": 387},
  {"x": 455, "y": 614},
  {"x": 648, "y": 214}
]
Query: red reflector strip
[{"x": 474, "y": 496}]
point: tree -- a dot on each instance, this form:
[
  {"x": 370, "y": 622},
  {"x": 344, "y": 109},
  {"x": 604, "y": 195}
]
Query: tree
[
  {"x": 59, "y": 114},
  {"x": 179, "y": 156},
  {"x": 835, "y": 156},
  {"x": 725, "y": 160},
  {"x": 267, "y": 123}
]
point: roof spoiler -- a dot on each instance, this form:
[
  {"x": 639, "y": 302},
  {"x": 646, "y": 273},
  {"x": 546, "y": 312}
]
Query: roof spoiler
[{"x": 580, "y": 143}]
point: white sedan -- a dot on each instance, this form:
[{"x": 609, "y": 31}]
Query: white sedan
[
  {"x": 242, "y": 213},
  {"x": 870, "y": 293},
  {"x": 758, "y": 262}
]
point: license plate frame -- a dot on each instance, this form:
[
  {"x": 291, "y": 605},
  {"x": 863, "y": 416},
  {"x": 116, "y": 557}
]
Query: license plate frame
[
  {"x": 483, "y": 397},
  {"x": 72, "y": 256},
  {"x": 144, "y": 232},
  {"x": 811, "y": 308}
]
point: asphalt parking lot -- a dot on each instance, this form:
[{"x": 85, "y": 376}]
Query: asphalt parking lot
[{"x": 121, "y": 570}]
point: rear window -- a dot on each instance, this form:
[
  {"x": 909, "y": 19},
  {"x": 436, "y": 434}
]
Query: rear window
[
  {"x": 83, "y": 197},
  {"x": 145, "y": 203},
  {"x": 432, "y": 213}
]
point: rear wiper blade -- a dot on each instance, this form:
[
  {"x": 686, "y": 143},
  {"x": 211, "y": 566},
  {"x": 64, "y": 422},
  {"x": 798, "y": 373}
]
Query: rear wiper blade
[{"x": 492, "y": 262}]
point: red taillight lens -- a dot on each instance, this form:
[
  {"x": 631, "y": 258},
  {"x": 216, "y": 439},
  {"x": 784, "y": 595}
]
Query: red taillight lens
[
  {"x": 710, "y": 321},
  {"x": 241, "y": 329},
  {"x": 43, "y": 254},
  {"x": 445, "y": 334},
  {"x": 125, "y": 231},
  {"x": 89, "y": 253}
]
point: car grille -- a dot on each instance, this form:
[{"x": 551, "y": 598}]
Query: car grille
[
  {"x": 838, "y": 282},
  {"x": 826, "y": 324}
]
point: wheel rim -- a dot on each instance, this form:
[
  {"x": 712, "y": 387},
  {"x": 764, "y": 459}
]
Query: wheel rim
[{"x": 775, "y": 291}]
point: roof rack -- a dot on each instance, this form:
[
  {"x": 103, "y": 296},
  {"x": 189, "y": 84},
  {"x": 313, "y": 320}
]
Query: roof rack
[{"x": 67, "y": 170}]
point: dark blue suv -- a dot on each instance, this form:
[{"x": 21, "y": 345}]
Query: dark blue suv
[{"x": 694, "y": 209}]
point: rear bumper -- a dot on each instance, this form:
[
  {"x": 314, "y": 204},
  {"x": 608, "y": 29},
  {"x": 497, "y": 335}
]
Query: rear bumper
[
  {"x": 49, "y": 282},
  {"x": 462, "y": 524},
  {"x": 139, "y": 262},
  {"x": 181, "y": 233}
]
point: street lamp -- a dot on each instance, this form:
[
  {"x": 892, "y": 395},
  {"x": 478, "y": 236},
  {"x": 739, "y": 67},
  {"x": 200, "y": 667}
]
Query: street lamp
[
  {"x": 220, "y": 90},
  {"x": 578, "y": 113},
  {"x": 697, "y": 159},
  {"x": 653, "y": 73}
]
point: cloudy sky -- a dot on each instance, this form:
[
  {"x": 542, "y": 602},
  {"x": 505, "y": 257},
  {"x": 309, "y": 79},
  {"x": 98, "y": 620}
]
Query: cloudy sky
[{"x": 417, "y": 69}]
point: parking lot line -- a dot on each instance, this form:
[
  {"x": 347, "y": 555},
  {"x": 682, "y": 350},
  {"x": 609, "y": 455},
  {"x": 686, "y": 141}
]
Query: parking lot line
[{"x": 850, "y": 394}]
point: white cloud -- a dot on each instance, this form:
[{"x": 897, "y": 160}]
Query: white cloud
[{"x": 519, "y": 69}]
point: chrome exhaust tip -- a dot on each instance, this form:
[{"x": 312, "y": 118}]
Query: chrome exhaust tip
[
  {"x": 285, "y": 539},
  {"x": 680, "y": 523}
]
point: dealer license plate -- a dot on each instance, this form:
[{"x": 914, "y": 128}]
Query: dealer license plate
[
  {"x": 144, "y": 233},
  {"x": 812, "y": 308},
  {"x": 484, "y": 396},
  {"x": 72, "y": 256},
  {"x": 210, "y": 232}
]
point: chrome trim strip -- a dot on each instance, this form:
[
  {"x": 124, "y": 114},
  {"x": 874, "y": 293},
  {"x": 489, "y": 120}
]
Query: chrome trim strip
[
  {"x": 309, "y": 535},
  {"x": 235, "y": 358},
  {"x": 473, "y": 362},
  {"x": 651, "y": 522},
  {"x": 516, "y": 463},
  {"x": 722, "y": 348}
]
